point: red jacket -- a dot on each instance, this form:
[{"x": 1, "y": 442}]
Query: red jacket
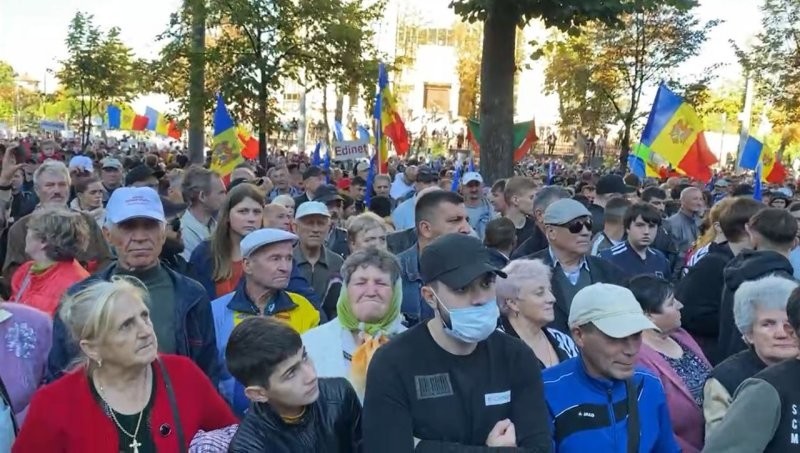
[
  {"x": 44, "y": 290},
  {"x": 64, "y": 417}
]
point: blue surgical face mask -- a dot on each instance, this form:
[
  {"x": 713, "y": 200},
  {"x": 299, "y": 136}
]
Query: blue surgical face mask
[{"x": 471, "y": 324}]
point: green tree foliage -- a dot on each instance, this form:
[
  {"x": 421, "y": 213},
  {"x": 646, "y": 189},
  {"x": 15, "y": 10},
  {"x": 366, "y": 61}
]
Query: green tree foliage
[
  {"x": 253, "y": 47},
  {"x": 468, "y": 39},
  {"x": 615, "y": 63},
  {"x": 7, "y": 91},
  {"x": 569, "y": 75},
  {"x": 774, "y": 61},
  {"x": 100, "y": 68}
]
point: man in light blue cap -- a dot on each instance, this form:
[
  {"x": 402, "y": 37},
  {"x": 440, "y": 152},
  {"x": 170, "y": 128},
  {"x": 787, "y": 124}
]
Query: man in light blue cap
[{"x": 267, "y": 266}]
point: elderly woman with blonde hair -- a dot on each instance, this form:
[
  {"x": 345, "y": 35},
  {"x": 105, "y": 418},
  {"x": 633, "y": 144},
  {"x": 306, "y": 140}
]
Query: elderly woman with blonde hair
[
  {"x": 121, "y": 396},
  {"x": 526, "y": 306},
  {"x": 366, "y": 230}
]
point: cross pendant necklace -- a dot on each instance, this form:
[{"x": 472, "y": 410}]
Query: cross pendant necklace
[{"x": 135, "y": 445}]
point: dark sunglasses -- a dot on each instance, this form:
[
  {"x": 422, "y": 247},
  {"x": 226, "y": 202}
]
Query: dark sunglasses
[{"x": 576, "y": 226}]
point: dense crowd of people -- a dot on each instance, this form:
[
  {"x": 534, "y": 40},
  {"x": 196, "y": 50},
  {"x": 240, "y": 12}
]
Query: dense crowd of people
[{"x": 151, "y": 305}]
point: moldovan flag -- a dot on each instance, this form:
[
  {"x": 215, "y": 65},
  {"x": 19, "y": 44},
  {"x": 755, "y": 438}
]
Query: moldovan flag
[
  {"x": 388, "y": 121},
  {"x": 675, "y": 132},
  {"x": 226, "y": 146},
  {"x": 755, "y": 153},
  {"x": 159, "y": 123}
]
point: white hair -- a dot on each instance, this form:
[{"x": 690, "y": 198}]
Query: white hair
[
  {"x": 520, "y": 273},
  {"x": 284, "y": 200},
  {"x": 51, "y": 166},
  {"x": 769, "y": 293}
]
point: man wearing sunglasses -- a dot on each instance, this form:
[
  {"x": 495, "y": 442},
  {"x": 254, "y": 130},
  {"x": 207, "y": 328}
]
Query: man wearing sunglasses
[{"x": 568, "y": 226}]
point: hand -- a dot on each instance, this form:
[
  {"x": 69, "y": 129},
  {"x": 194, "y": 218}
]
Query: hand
[
  {"x": 10, "y": 167},
  {"x": 502, "y": 435}
]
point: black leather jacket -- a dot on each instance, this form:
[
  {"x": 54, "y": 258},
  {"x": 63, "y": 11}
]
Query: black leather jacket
[{"x": 332, "y": 424}]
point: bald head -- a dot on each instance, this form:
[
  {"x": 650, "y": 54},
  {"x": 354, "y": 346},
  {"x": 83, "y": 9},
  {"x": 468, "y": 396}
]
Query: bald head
[
  {"x": 692, "y": 201},
  {"x": 277, "y": 216}
]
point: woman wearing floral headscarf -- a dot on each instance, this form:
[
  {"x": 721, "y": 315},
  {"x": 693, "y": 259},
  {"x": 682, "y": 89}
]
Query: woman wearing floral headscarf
[{"x": 368, "y": 315}]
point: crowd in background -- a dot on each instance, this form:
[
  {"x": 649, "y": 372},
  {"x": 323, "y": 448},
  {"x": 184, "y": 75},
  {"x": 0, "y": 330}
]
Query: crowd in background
[{"x": 155, "y": 305}]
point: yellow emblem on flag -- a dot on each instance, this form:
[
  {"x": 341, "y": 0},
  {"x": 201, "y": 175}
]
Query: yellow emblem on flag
[{"x": 680, "y": 132}]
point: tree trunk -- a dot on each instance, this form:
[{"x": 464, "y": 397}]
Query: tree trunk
[
  {"x": 325, "y": 115},
  {"x": 625, "y": 148},
  {"x": 197, "y": 9},
  {"x": 262, "y": 120},
  {"x": 352, "y": 96},
  {"x": 497, "y": 95},
  {"x": 338, "y": 112}
]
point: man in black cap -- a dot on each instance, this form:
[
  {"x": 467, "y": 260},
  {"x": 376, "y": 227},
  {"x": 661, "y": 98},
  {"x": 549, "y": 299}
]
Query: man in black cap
[
  {"x": 608, "y": 187},
  {"x": 336, "y": 241},
  {"x": 455, "y": 383},
  {"x": 313, "y": 177},
  {"x": 143, "y": 176}
]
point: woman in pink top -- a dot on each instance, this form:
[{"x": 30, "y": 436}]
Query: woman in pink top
[
  {"x": 675, "y": 358},
  {"x": 55, "y": 236}
]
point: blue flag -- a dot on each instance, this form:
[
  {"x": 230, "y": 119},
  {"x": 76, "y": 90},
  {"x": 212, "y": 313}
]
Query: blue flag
[
  {"x": 751, "y": 154},
  {"x": 363, "y": 133},
  {"x": 316, "y": 159},
  {"x": 550, "y": 174},
  {"x": 338, "y": 132},
  {"x": 326, "y": 165},
  {"x": 373, "y": 170},
  {"x": 471, "y": 167},
  {"x": 456, "y": 178},
  {"x": 757, "y": 183}
]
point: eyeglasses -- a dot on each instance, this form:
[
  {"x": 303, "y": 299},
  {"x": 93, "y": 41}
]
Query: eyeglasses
[{"x": 576, "y": 226}]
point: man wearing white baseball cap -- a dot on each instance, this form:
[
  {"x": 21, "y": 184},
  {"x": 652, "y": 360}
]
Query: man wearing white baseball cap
[
  {"x": 479, "y": 208},
  {"x": 317, "y": 263},
  {"x": 179, "y": 307},
  {"x": 600, "y": 400}
]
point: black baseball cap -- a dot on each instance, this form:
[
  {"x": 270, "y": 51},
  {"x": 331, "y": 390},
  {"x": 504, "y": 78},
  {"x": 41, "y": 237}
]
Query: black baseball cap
[
  {"x": 612, "y": 184},
  {"x": 327, "y": 193},
  {"x": 456, "y": 260}
]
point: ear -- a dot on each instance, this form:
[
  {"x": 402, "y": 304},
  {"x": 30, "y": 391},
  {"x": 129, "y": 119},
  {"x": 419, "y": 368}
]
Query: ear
[
  {"x": 578, "y": 337},
  {"x": 429, "y": 297},
  {"x": 256, "y": 393},
  {"x": 91, "y": 350},
  {"x": 538, "y": 214},
  {"x": 424, "y": 227},
  {"x": 107, "y": 235},
  {"x": 512, "y": 305}
]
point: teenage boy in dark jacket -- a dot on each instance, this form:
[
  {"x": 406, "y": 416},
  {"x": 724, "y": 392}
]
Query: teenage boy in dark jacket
[
  {"x": 292, "y": 410},
  {"x": 772, "y": 233}
]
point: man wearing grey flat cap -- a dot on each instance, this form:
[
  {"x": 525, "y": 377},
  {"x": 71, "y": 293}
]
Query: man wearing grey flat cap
[{"x": 568, "y": 226}]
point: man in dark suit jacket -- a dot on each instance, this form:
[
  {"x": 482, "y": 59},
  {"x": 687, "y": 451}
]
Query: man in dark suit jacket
[
  {"x": 336, "y": 241},
  {"x": 313, "y": 177},
  {"x": 568, "y": 226}
]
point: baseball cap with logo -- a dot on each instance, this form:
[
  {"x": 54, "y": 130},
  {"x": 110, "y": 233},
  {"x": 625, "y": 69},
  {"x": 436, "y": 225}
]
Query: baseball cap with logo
[
  {"x": 611, "y": 308},
  {"x": 128, "y": 203},
  {"x": 471, "y": 176}
]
